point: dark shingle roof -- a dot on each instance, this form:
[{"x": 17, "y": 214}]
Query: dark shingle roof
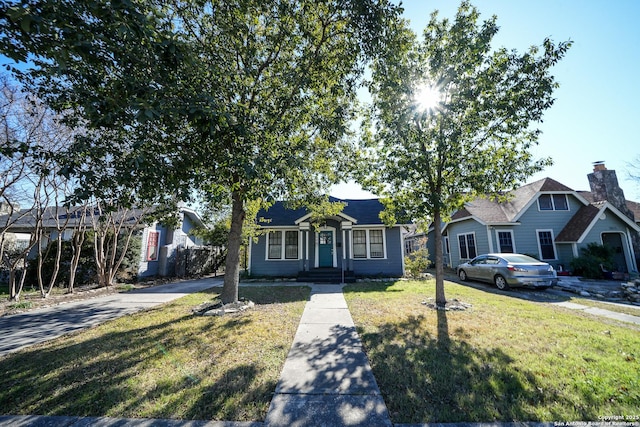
[
  {"x": 578, "y": 224},
  {"x": 365, "y": 211},
  {"x": 493, "y": 212}
]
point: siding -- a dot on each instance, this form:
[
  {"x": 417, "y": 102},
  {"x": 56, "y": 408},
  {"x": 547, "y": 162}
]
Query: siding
[
  {"x": 465, "y": 227},
  {"x": 391, "y": 266}
]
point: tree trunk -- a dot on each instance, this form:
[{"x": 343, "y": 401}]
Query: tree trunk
[
  {"x": 441, "y": 300},
  {"x": 232, "y": 263}
]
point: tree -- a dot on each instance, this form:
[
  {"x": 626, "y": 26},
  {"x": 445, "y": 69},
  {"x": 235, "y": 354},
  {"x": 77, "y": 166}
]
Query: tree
[
  {"x": 241, "y": 101},
  {"x": 427, "y": 159}
]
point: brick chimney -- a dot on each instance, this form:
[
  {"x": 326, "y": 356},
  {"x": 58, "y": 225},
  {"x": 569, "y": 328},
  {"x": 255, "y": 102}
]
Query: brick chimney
[{"x": 604, "y": 187}]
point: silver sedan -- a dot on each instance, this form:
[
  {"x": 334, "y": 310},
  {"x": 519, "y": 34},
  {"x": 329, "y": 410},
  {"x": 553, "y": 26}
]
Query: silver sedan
[{"x": 509, "y": 270}]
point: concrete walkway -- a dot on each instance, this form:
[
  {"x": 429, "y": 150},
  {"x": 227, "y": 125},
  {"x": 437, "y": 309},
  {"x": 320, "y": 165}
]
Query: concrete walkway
[
  {"x": 600, "y": 312},
  {"x": 40, "y": 325},
  {"x": 326, "y": 379}
]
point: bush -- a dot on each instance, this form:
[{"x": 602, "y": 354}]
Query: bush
[
  {"x": 417, "y": 262},
  {"x": 594, "y": 258}
]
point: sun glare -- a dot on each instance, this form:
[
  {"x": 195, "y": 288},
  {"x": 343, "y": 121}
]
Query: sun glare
[{"x": 428, "y": 97}]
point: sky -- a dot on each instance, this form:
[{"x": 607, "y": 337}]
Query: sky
[{"x": 596, "y": 115}]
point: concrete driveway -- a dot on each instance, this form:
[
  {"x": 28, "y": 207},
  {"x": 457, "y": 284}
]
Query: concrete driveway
[{"x": 22, "y": 330}]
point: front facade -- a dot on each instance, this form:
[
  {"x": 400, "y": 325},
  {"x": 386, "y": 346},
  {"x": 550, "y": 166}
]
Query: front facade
[
  {"x": 354, "y": 242},
  {"x": 546, "y": 220}
]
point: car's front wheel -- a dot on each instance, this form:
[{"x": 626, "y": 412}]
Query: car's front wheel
[
  {"x": 501, "y": 282},
  {"x": 462, "y": 275}
]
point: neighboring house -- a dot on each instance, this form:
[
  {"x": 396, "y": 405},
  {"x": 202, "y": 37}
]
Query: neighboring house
[
  {"x": 549, "y": 221},
  {"x": 353, "y": 243},
  {"x": 159, "y": 242}
]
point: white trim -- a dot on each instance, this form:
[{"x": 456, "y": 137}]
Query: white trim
[
  {"x": 475, "y": 245},
  {"x": 317, "y": 245},
  {"x": 513, "y": 239},
  {"x": 553, "y": 243},
  {"x": 340, "y": 214},
  {"x": 282, "y": 245},
  {"x": 629, "y": 258},
  {"x": 368, "y": 243},
  {"x": 249, "y": 252},
  {"x": 490, "y": 239},
  {"x": 553, "y": 202}
]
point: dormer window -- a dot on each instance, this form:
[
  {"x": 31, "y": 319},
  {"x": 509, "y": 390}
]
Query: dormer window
[{"x": 553, "y": 202}]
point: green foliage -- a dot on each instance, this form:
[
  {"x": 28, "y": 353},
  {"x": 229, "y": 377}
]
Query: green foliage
[
  {"x": 476, "y": 139},
  {"x": 417, "y": 261},
  {"x": 593, "y": 260}
]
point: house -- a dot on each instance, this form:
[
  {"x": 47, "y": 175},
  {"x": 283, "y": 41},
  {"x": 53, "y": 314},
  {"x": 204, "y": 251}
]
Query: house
[
  {"x": 350, "y": 244},
  {"x": 159, "y": 242},
  {"x": 549, "y": 221}
]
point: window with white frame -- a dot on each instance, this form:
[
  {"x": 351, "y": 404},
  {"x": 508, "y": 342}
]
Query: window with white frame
[
  {"x": 282, "y": 244},
  {"x": 505, "y": 242},
  {"x": 368, "y": 243},
  {"x": 152, "y": 245},
  {"x": 359, "y": 243},
  {"x": 553, "y": 202},
  {"x": 467, "y": 243},
  {"x": 545, "y": 242}
]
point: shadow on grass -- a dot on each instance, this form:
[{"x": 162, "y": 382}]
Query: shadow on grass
[
  {"x": 181, "y": 366},
  {"x": 441, "y": 378}
]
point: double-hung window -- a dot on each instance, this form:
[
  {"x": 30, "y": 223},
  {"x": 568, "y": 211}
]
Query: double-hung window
[
  {"x": 282, "y": 244},
  {"x": 368, "y": 243},
  {"x": 545, "y": 242},
  {"x": 152, "y": 245},
  {"x": 467, "y": 243},
  {"x": 505, "y": 242}
]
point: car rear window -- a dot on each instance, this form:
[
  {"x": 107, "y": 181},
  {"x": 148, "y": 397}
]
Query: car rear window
[{"x": 519, "y": 258}]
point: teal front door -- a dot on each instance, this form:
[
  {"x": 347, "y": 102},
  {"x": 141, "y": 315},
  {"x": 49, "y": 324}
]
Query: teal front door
[{"x": 325, "y": 249}]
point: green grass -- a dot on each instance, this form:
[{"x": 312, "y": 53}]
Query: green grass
[
  {"x": 504, "y": 359},
  {"x": 161, "y": 363}
]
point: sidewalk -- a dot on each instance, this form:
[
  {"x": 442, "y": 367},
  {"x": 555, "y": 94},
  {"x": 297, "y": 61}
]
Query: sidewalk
[{"x": 326, "y": 379}]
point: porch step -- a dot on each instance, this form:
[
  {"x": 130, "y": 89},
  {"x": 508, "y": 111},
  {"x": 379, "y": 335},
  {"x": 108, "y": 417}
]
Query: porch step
[{"x": 326, "y": 275}]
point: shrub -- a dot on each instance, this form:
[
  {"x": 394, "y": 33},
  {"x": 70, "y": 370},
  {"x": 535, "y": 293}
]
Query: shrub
[
  {"x": 417, "y": 261},
  {"x": 594, "y": 258}
]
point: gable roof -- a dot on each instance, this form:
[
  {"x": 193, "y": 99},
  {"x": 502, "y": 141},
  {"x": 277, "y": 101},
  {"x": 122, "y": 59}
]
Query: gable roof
[
  {"x": 365, "y": 211},
  {"x": 582, "y": 222},
  {"x": 633, "y": 206},
  {"x": 488, "y": 211}
]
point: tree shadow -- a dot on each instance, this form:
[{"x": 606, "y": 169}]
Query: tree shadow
[
  {"x": 109, "y": 374},
  {"x": 443, "y": 379}
]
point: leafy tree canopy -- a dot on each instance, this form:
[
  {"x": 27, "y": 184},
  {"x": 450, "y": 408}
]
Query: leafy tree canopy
[{"x": 474, "y": 137}]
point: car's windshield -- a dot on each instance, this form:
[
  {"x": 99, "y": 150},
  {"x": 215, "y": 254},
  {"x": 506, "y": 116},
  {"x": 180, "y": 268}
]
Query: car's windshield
[{"x": 517, "y": 258}]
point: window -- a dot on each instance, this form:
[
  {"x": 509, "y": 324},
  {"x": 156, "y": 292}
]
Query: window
[
  {"x": 560, "y": 202},
  {"x": 275, "y": 244},
  {"x": 545, "y": 240},
  {"x": 505, "y": 242},
  {"x": 370, "y": 244},
  {"x": 376, "y": 249},
  {"x": 152, "y": 245},
  {"x": 282, "y": 244},
  {"x": 359, "y": 243},
  {"x": 291, "y": 245},
  {"x": 555, "y": 202},
  {"x": 467, "y": 246}
]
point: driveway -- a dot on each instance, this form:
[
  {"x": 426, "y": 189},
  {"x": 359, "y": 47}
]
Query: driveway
[{"x": 40, "y": 325}]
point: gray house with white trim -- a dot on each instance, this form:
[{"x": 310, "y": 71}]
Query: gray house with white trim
[
  {"x": 549, "y": 221},
  {"x": 352, "y": 243}
]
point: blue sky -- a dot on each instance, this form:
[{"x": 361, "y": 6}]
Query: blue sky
[{"x": 596, "y": 115}]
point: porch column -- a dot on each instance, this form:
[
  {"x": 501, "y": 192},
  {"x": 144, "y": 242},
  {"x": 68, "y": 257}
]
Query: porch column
[
  {"x": 347, "y": 227},
  {"x": 304, "y": 229}
]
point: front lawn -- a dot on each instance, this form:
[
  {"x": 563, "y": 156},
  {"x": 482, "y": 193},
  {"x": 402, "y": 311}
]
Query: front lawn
[
  {"x": 161, "y": 363},
  {"x": 504, "y": 359}
]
